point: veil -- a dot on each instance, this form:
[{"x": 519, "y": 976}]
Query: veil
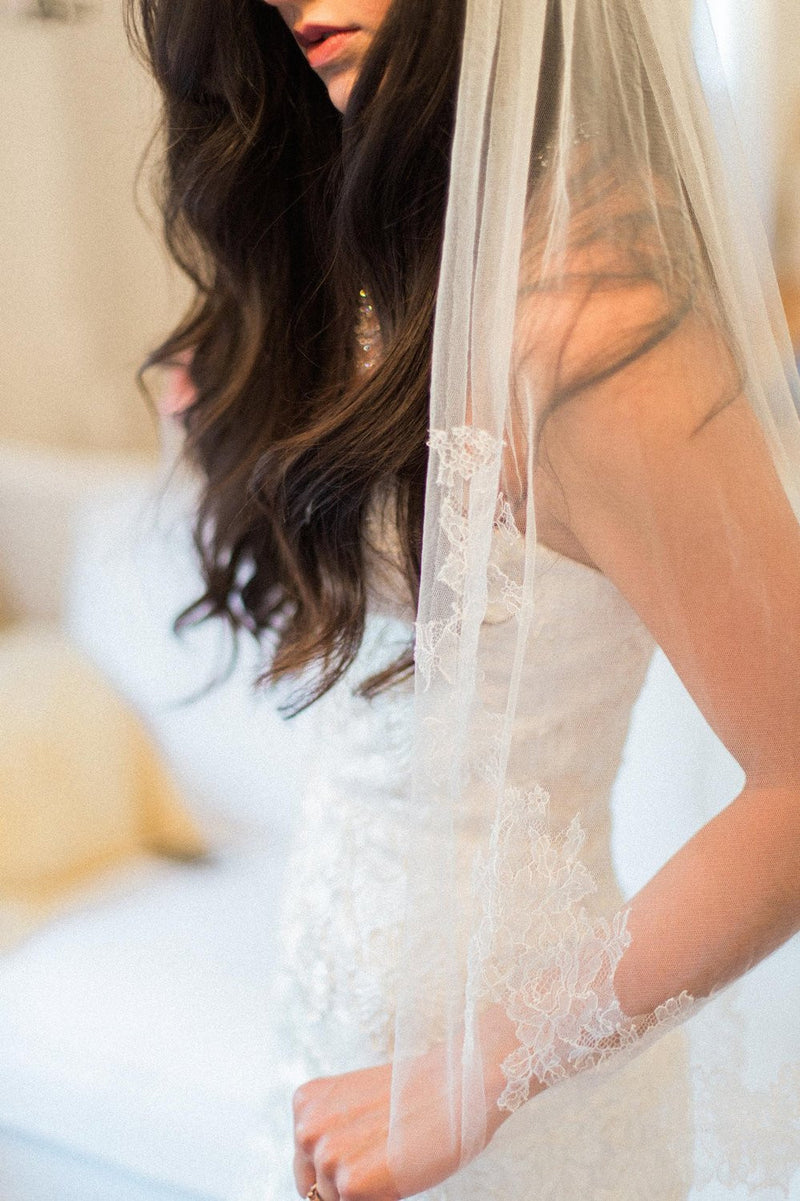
[{"x": 610, "y": 360}]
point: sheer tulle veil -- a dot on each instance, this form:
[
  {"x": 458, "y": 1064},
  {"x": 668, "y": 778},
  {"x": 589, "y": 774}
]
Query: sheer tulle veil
[{"x": 603, "y": 269}]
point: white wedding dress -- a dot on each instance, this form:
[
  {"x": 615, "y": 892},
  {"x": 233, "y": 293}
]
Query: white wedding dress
[{"x": 333, "y": 1008}]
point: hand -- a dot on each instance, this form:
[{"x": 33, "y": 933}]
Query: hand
[
  {"x": 342, "y": 1133},
  {"x": 341, "y": 1140}
]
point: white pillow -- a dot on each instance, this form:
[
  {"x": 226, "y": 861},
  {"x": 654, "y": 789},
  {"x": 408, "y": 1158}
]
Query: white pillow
[{"x": 134, "y": 569}]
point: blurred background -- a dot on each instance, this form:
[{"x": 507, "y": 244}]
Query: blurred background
[
  {"x": 759, "y": 45},
  {"x": 84, "y": 290},
  {"x": 141, "y": 839}
]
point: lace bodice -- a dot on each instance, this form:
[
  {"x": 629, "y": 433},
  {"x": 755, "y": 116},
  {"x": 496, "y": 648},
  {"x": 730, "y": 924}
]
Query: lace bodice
[{"x": 358, "y": 800}]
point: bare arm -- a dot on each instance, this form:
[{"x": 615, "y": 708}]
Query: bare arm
[{"x": 671, "y": 491}]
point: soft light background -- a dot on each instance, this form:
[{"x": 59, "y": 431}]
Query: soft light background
[
  {"x": 84, "y": 290},
  {"x": 759, "y": 43}
]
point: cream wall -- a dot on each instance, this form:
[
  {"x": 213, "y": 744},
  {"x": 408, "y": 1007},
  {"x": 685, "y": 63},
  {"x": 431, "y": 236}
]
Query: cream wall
[{"x": 84, "y": 288}]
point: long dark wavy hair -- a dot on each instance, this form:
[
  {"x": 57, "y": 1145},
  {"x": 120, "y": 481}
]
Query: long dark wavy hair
[{"x": 279, "y": 211}]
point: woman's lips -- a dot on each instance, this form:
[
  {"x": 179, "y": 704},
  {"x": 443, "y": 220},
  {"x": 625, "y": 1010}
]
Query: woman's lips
[{"x": 323, "y": 43}]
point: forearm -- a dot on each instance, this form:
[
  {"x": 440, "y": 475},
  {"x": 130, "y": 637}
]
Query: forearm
[{"x": 728, "y": 898}]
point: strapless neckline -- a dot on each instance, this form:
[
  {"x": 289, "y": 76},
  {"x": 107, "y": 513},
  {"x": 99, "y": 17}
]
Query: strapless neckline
[
  {"x": 543, "y": 551},
  {"x": 388, "y": 589}
]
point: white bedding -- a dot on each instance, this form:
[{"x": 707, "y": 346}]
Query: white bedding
[
  {"x": 133, "y": 1046},
  {"x": 34, "y": 1171},
  {"x": 134, "y": 1031}
]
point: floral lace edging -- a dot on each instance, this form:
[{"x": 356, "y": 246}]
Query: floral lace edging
[{"x": 545, "y": 960}]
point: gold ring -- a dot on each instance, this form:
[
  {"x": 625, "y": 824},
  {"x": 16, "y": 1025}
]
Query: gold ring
[{"x": 313, "y": 1193}]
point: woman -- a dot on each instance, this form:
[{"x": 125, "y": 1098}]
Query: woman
[{"x": 564, "y": 432}]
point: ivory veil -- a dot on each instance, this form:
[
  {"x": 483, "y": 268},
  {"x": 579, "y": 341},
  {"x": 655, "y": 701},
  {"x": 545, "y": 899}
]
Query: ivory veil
[{"x": 610, "y": 359}]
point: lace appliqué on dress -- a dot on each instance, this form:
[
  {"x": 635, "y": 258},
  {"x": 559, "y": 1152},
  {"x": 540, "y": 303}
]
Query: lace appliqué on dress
[{"x": 764, "y": 1155}]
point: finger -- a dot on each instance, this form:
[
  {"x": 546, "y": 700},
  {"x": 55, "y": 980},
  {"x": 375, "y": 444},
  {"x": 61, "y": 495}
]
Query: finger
[
  {"x": 326, "y": 1186},
  {"x": 304, "y": 1173}
]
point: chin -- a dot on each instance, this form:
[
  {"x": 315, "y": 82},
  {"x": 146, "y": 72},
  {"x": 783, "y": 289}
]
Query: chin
[{"x": 339, "y": 89}]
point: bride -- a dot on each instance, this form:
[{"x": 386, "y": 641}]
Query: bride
[{"x": 490, "y": 394}]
